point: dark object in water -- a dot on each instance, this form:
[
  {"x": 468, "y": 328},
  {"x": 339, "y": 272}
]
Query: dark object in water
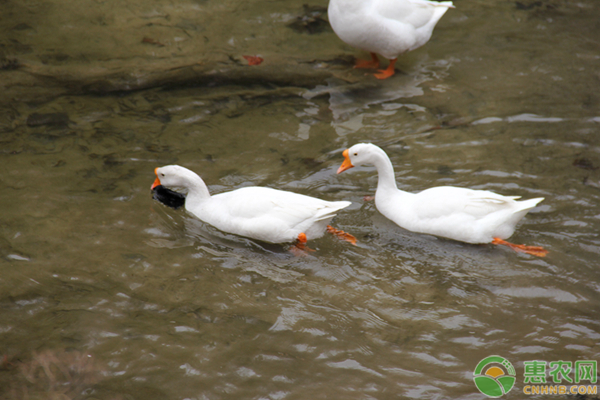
[
  {"x": 9, "y": 64},
  {"x": 48, "y": 119},
  {"x": 310, "y": 21},
  {"x": 168, "y": 197},
  {"x": 523, "y": 6},
  {"x": 584, "y": 163}
]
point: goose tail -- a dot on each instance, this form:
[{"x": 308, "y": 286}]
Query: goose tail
[{"x": 527, "y": 205}]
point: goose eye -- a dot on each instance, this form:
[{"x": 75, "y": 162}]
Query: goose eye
[
  {"x": 161, "y": 174},
  {"x": 355, "y": 154}
]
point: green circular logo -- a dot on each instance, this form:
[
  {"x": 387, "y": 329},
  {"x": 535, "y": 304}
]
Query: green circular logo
[{"x": 494, "y": 376}]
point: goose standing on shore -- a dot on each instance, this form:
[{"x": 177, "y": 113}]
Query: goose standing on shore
[
  {"x": 466, "y": 215},
  {"x": 385, "y": 27}
]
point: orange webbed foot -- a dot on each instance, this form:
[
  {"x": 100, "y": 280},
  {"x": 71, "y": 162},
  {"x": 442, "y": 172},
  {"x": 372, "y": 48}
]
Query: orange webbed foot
[
  {"x": 373, "y": 63},
  {"x": 341, "y": 234},
  {"x": 537, "y": 251},
  {"x": 386, "y": 73}
]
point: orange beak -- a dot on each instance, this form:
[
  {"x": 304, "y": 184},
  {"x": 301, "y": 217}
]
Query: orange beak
[
  {"x": 156, "y": 181},
  {"x": 347, "y": 164}
]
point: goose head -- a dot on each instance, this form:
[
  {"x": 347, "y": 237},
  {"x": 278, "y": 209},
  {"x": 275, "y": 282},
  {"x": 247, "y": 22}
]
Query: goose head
[
  {"x": 178, "y": 177},
  {"x": 359, "y": 154},
  {"x": 175, "y": 176}
]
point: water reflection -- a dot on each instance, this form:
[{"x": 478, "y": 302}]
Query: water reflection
[{"x": 349, "y": 102}]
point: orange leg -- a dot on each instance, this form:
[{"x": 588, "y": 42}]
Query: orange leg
[
  {"x": 300, "y": 248},
  {"x": 389, "y": 71},
  {"x": 341, "y": 234},
  {"x": 521, "y": 248},
  {"x": 302, "y": 240},
  {"x": 368, "y": 64}
]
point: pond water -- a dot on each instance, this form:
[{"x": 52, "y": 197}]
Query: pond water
[{"x": 108, "y": 294}]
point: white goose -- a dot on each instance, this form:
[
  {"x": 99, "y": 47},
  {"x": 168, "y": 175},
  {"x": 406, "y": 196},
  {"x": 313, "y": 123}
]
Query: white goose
[
  {"x": 260, "y": 213},
  {"x": 386, "y": 27},
  {"x": 466, "y": 215}
]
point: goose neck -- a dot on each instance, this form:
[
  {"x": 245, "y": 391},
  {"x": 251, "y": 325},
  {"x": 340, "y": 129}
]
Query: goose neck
[
  {"x": 385, "y": 172},
  {"x": 197, "y": 190}
]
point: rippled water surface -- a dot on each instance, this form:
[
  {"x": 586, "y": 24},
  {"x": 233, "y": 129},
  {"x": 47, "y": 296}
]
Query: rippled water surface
[{"x": 107, "y": 294}]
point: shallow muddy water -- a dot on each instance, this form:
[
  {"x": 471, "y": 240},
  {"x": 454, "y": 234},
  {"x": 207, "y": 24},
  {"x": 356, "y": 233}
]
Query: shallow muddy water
[{"x": 108, "y": 294}]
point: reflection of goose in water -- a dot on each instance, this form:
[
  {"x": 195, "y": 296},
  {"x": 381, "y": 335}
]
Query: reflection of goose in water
[
  {"x": 386, "y": 27},
  {"x": 466, "y": 215},
  {"x": 352, "y": 103}
]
